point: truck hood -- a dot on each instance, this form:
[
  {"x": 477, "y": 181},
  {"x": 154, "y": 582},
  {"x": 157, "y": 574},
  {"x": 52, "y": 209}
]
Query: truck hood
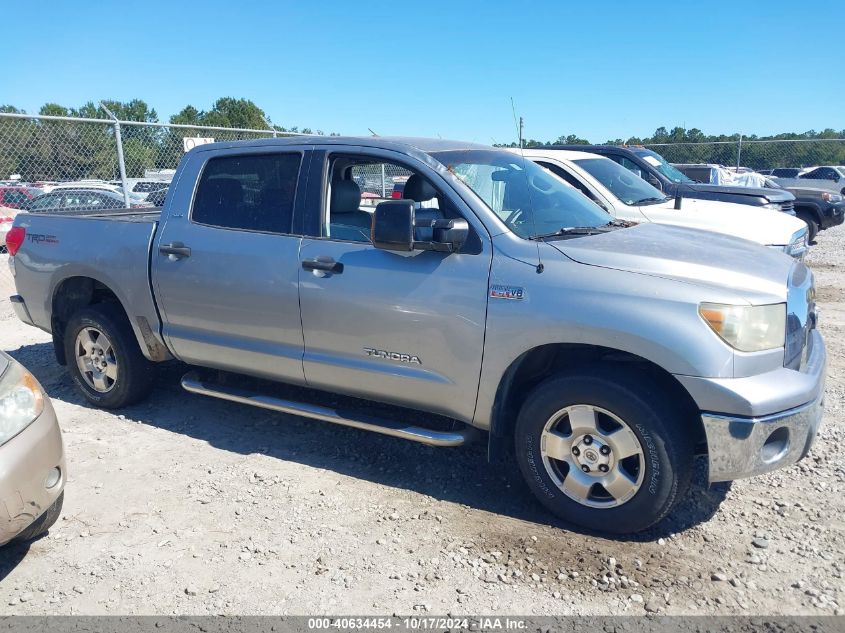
[
  {"x": 807, "y": 183},
  {"x": 764, "y": 226},
  {"x": 686, "y": 255},
  {"x": 772, "y": 195}
]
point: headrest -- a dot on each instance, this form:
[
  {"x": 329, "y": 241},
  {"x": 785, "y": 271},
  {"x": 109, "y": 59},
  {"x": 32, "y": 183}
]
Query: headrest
[
  {"x": 418, "y": 189},
  {"x": 346, "y": 196}
]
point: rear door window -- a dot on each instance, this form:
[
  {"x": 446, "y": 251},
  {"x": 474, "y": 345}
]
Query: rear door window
[{"x": 252, "y": 192}]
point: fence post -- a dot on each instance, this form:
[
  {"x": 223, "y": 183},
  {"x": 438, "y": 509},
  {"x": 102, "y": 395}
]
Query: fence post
[
  {"x": 120, "y": 163},
  {"x": 271, "y": 126},
  {"x": 383, "y": 189},
  {"x": 738, "y": 153}
]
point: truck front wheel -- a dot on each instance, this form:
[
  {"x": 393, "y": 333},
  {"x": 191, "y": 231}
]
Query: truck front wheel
[
  {"x": 606, "y": 450},
  {"x": 104, "y": 359},
  {"x": 812, "y": 225}
]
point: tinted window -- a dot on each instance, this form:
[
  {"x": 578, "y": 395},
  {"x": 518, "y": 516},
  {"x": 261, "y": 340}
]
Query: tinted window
[
  {"x": 88, "y": 200},
  {"x": 248, "y": 192},
  {"x": 661, "y": 165},
  {"x": 620, "y": 181},
  {"x": 15, "y": 197},
  {"x": 48, "y": 201},
  {"x": 569, "y": 178}
]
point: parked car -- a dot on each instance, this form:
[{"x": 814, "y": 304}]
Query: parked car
[
  {"x": 32, "y": 458},
  {"x": 785, "y": 172},
  {"x": 721, "y": 175},
  {"x": 627, "y": 197},
  {"x": 68, "y": 199},
  {"x": 820, "y": 209},
  {"x": 602, "y": 356},
  {"x": 7, "y": 219},
  {"x": 14, "y": 197},
  {"x": 142, "y": 186},
  {"x": 156, "y": 198},
  {"x": 659, "y": 173},
  {"x": 830, "y": 173}
]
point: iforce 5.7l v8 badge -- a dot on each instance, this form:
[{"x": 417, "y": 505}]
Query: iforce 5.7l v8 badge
[{"x": 506, "y": 292}]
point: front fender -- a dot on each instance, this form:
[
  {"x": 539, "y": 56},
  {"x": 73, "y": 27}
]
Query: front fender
[{"x": 570, "y": 303}]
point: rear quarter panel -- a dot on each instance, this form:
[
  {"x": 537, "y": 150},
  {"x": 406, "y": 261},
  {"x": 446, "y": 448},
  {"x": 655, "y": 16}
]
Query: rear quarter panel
[{"x": 114, "y": 252}]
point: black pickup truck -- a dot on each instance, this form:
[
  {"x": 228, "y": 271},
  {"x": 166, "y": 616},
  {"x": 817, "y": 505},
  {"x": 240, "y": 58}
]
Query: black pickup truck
[{"x": 657, "y": 171}]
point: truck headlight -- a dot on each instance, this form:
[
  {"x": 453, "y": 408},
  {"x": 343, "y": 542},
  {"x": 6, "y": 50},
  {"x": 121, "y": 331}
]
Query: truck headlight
[
  {"x": 833, "y": 198},
  {"x": 21, "y": 401},
  {"x": 774, "y": 206},
  {"x": 747, "y": 328}
]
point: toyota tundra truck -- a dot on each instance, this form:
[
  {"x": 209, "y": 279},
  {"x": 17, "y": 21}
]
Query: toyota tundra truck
[{"x": 491, "y": 301}]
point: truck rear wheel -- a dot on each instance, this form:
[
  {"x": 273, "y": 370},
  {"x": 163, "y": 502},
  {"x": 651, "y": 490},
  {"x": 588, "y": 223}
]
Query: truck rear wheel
[
  {"x": 104, "y": 359},
  {"x": 604, "y": 450}
]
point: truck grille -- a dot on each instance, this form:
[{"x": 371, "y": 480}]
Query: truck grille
[
  {"x": 800, "y": 316},
  {"x": 788, "y": 207}
]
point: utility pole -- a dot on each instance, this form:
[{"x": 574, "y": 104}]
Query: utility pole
[{"x": 521, "y": 126}]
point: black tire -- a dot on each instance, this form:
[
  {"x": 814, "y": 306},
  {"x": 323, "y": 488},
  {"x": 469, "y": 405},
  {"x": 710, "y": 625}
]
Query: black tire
[
  {"x": 663, "y": 433},
  {"x": 44, "y": 522},
  {"x": 812, "y": 225},
  {"x": 135, "y": 373}
]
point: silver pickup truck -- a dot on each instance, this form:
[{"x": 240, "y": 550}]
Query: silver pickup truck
[{"x": 599, "y": 356}]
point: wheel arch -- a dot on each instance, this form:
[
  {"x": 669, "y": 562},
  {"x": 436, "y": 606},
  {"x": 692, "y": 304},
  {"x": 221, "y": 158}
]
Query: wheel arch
[
  {"x": 544, "y": 361},
  {"x": 79, "y": 291},
  {"x": 811, "y": 208}
]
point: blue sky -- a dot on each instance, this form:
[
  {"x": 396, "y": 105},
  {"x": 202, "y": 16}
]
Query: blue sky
[{"x": 427, "y": 68}]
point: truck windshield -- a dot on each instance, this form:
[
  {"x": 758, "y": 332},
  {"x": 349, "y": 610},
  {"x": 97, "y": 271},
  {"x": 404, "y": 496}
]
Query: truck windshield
[
  {"x": 527, "y": 198},
  {"x": 620, "y": 181},
  {"x": 662, "y": 165}
]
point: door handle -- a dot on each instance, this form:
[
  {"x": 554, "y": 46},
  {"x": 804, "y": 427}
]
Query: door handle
[
  {"x": 175, "y": 249},
  {"x": 324, "y": 264}
]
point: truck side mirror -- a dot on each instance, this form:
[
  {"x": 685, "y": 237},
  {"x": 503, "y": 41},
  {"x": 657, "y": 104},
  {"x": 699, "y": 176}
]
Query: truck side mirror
[{"x": 394, "y": 225}]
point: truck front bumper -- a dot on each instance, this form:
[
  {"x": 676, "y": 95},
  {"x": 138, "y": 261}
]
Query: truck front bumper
[
  {"x": 744, "y": 447},
  {"x": 759, "y": 434},
  {"x": 833, "y": 216}
]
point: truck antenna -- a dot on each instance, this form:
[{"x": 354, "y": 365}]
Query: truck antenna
[{"x": 519, "y": 128}]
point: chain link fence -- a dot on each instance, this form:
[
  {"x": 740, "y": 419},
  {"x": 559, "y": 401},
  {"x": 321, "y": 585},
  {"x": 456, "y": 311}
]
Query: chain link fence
[
  {"x": 66, "y": 149},
  {"x": 755, "y": 154},
  {"x": 118, "y": 163}
]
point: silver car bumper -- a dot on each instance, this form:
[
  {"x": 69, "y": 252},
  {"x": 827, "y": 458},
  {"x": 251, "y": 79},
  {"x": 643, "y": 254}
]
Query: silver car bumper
[
  {"x": 744, "y": 446},
  {"x": 26, "y": 461}
]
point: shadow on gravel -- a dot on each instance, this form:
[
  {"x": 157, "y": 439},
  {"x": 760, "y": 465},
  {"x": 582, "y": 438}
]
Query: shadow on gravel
[
  {"x": 459, "y": 475},
  {"x": 10, "y": 556}
]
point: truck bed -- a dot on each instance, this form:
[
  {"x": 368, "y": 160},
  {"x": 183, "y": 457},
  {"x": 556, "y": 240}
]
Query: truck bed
[
  {"x": 110, "y": 248},
  {"x": 151, "y": 214}
]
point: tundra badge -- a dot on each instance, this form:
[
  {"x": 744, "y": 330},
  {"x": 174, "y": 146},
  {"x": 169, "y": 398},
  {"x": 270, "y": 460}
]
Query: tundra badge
[{"x": 402, "y": 358}]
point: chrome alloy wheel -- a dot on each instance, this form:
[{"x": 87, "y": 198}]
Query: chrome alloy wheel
[
  {"x": 96, "y": 360},
  {"x": 593, "y": 456}
]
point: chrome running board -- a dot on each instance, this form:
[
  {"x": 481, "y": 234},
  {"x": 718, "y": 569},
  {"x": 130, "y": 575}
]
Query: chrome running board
[{"x": 193, "y": 383}]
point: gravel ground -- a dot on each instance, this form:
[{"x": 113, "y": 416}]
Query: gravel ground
[{"x": 187, "y": 505}]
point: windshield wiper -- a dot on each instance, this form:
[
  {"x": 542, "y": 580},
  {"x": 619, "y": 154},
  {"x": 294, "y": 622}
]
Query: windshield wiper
[
  {"x": 578, "y": 230},
  {"x": 652, "y": 200}
]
